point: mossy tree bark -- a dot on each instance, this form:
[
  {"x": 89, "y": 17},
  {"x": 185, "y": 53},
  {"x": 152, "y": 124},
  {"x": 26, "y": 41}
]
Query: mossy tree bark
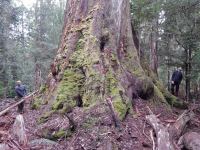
[{"x": 97, "y": 59}]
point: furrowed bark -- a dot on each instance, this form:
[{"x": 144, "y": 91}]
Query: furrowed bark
[{"x": 97, "y": 59}]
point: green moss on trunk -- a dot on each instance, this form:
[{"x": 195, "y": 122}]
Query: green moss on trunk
[
  {"x": 68, "y": 89},
  {"x": 115, "y": 91}
]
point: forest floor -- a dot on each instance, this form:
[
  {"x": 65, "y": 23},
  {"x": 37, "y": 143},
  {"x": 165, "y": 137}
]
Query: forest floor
[{"x": 94, "y": 128}]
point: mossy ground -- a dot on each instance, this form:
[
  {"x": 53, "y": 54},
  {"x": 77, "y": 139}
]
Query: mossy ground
[
  {"x": 44, "y": 117},
  {"x": 61, "y": 134},
  {"x": 36, "y": 103}
]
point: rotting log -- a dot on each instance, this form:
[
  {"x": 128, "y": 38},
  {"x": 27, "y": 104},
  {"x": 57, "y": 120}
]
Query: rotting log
[
  {"x": 190, "y": 141},
  {"x": 162, "y": 133},
  {"x": 17, "y": 103},
  {"x": 181, "y": 122},
  {"x": 166, "y": 135}
]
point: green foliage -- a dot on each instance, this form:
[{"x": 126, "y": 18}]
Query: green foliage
[
  {"x": 1, "y": 89},
  {"x": 174, "y": 25},
  {"x": 28, "y": 38}
]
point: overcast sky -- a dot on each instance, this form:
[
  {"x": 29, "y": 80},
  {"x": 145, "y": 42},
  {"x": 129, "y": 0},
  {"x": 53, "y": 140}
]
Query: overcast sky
[{"x": 28, "y": 3}]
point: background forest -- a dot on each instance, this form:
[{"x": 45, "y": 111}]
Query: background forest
[{"x": 167, "y": 33}]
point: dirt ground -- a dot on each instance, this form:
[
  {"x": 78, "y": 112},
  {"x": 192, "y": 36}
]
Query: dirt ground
[{"x": 94, "y": 128}]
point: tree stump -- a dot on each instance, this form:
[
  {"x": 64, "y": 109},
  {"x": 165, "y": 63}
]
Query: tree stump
[{"x": 19, "y": 130}]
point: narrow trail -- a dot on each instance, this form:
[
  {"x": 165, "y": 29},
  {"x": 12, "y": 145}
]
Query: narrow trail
[{"x": 98, "y": 133}]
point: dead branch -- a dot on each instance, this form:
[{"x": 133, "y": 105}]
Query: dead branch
[
  {"x": 17, "y": 103},
  {"x": 152, "y": 138}
]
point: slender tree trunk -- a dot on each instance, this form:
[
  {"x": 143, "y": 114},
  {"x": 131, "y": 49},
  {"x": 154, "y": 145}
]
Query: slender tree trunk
[
  {"x": 22, "y": 22},
  {"x": 188, "y": 73},
  {"x": 154, "y": 47},
  {"x": 136, "y": 40},
  {"x": 38, "y": 81}
]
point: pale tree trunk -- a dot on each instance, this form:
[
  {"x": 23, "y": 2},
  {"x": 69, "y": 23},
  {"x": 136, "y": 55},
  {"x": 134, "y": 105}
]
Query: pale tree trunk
[
  {"x": 38, "y": 78},
  {"x": 97, "y": 59}
]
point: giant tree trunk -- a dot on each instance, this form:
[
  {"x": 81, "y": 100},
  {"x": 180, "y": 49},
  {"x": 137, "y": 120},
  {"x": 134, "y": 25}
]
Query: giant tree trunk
[{"x": 97, "y": 59}]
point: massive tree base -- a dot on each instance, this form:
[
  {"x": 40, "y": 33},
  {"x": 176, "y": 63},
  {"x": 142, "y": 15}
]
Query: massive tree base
[{"x": 97, "y": 61}]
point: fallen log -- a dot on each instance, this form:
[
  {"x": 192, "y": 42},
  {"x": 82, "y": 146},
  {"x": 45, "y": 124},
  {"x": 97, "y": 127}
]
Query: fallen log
[
  {"x": 17, "y": 103},
  {"x": 167, "y": 134},
  {"x": 178, "y": 127},
  {"x": 190, "y": 141},
  {"x": 162, "y": 133}
]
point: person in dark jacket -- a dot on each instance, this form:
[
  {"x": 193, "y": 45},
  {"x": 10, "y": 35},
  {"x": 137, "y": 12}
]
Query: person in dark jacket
[
  {"x": 176, "y": 79},
  {"x": 21, "y": 92}
]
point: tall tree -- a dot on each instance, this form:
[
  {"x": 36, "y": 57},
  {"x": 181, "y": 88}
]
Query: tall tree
[{"x": 97, "y": 60}]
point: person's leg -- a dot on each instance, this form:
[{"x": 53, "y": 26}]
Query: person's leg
[
  {"x": 172, "y": 89},
  {"x": 177, "y": 89},
  {"x": 20, "y": 107}
]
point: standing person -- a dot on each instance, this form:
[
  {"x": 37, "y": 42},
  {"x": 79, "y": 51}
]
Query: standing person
[
  {"x": 176, "y": 79},
  {"x": 21, "y": 92}
]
